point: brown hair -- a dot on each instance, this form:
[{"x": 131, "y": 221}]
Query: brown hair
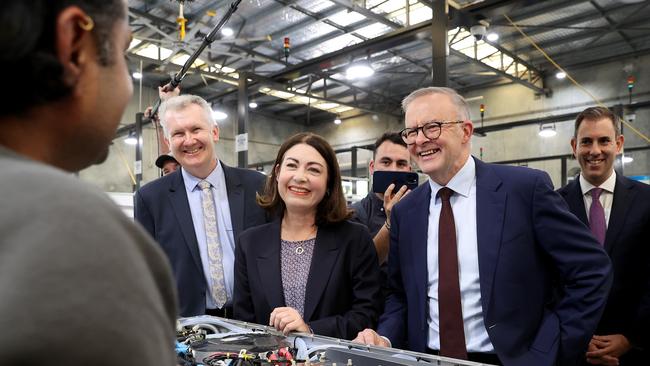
[
  {"x": 393, "y": 137},
  {"x": 594, "y": 114},
  {"x": 333, "y": 207}
]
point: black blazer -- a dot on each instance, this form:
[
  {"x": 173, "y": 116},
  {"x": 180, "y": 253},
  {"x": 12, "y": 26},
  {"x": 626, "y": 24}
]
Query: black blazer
[
  {"x": 342, "y": 295},
  {"x": 627, "y": 242},
  {"x": 161, "y": 206}
]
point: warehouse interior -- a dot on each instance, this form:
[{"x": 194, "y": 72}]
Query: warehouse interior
[{"x": 279, "y": 67}]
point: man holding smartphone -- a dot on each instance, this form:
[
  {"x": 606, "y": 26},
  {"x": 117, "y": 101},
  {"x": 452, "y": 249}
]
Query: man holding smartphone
[{"x": 391, "y": 154}]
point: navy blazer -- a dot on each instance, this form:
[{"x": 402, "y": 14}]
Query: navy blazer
[
  {"x": 526, "y": 236},
  {"x": 342, "y": 296},
  {"x": 161, "y": 206},
  {"x": 627, "y": 242}
]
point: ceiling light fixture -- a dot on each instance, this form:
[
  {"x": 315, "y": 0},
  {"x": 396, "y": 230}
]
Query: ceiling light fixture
[
  {"x": 252, "y": 104},
  {"x": 131, "y": 140},
  {"x": 492, "y": 37},
  {"x": 547, "y": 130},
  {"x": 359, "y": 70},
  {"x": 337, "y": 121},
  {"x": 219, "y": 115},
  {"x": 627, "y": 159},
  {"x": 137, "y": 75},
  {"x": 227, "y": 32},
  {"x": 560, "y": 75}
]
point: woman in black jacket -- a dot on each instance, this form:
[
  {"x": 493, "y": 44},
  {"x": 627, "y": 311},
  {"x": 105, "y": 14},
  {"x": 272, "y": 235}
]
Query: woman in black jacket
[{"x": 310, "y": 270}]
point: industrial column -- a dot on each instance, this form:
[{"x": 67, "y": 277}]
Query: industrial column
[
  {"x": 241, "y": 140},
  {"x": 618, "y": 161},
  {"x": 137, "y": 166},
  {"x": 439, "y": 43}
]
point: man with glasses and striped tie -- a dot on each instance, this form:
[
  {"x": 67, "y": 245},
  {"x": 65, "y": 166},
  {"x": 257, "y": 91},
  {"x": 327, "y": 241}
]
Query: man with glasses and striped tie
[
  {"x": 476, "y": 253},
  {"x": 617, "y": 210}
]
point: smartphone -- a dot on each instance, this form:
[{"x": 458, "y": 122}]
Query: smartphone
[{"x": 382, "y": 179}]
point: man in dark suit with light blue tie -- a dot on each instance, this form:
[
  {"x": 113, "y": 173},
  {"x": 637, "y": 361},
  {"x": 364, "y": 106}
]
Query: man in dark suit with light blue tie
[
  {"x": 476, "y": 251},
  {"x": 617, "y": 210},
  {"x": 197, "y": 212}
]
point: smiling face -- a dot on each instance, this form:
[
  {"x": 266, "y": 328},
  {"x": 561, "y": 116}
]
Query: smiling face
[
  {"x": 595, "y": 147},
  {"x": 192, "y": 138},
  {"x": 302, "y": 179},
  {"x": 443, "y": 157}
]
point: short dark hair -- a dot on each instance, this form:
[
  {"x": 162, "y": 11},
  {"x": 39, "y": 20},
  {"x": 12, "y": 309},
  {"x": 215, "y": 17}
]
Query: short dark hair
[
  {"x": 596, "y": 113},
  {"x": 393, "y": 137},
  {"x": 333, "y": 208},
  {"x": 27, "y": 43}
]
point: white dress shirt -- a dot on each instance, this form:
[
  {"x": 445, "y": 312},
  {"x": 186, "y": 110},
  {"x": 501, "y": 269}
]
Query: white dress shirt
[
  {"x": 463, "y": 204},
  {"x": 606, "y": 196},
  {"x": 224, "y": 228}
]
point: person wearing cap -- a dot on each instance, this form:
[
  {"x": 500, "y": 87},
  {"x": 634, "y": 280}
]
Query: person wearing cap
[{"x": 167, "y": 164}]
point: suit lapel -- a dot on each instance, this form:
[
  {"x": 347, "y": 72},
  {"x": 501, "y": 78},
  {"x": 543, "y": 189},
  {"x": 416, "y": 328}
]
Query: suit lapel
[
  {"x": 268, "y": 264},
  {"x": 490, "y": 212},
  {"x": 326, "y": 250},
  {"x": 576, "y": 201},
  {"x": 235, "y": 192},
  {"x": 623, "y": 196},
  {"x": 416, "y": 230},
  {"x": 181, "y": 208}
]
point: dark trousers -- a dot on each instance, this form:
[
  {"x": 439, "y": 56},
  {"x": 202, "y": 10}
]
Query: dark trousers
[
  {"x": 489, "y": 358},
  {"x": 225, "y": 312}
]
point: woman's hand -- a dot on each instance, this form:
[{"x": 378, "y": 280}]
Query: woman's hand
[{"x": 286, "y": 319}]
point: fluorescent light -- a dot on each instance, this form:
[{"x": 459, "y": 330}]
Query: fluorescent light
[
  {"x": 492, "y": 37},
  {"x": 337, "y": 121},
  {"x": 560, "y": 75},
  {"x": 547, "y": 131},
  {"x": 136, "y": 75},
  {"x": 627, "y": 159},
  {"x": 131, "y": 140},
  {"x": 219, "y": 115},
  {"x": 252, "y": 105},
  {"x": 359, "y": 70},
  {"x": 227, "y": 32}
]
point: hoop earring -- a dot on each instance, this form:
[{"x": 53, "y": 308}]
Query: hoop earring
[{"x": 87, "y": 24}]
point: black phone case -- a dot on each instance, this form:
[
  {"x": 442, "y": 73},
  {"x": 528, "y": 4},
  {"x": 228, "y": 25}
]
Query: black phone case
[{"x": 382, "y": 179}]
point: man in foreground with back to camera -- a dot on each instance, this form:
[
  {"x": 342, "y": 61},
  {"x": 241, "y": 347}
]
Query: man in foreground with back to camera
[
  {"x": 80, "y": 283},
  {"x": 617, "y": 210},
  {"x": 197, "y": 212},
  {"x": 475, "y": 251}
]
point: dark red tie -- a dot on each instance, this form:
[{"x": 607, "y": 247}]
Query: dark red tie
[{"x": 452, "y": 334}]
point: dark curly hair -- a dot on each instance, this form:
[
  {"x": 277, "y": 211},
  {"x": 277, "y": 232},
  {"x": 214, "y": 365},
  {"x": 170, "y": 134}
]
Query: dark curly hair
[
  {"x": 27, "y": 43},
  {"x": 333, "y": 207}
]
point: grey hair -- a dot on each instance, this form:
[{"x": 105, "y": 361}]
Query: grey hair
[
  {"x": 181, "y": 102},
  {"x": 457, "y": 99}
]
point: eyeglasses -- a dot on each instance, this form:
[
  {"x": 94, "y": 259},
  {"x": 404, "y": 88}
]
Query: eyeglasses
[{"x": 431, "y": 130}]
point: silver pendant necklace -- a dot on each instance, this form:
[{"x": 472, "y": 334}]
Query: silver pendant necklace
[{"x": 299, "y": 249}]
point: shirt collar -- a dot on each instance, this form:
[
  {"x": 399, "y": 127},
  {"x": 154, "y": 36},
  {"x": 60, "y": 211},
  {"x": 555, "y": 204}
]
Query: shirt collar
[
  {"x": 460, "y": 183},
  {"x": 191, "y": 182},
  {"x": 608, "y": 185}
]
